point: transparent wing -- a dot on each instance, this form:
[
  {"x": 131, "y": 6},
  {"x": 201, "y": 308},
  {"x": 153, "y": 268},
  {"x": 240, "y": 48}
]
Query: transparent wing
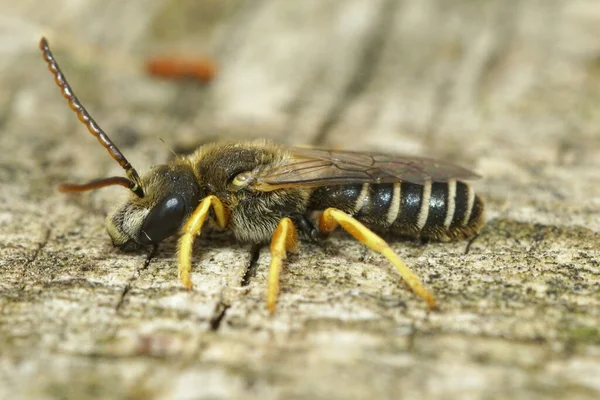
[{"x": 318, "y": 167}]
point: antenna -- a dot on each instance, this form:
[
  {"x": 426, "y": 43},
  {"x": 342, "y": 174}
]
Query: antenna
[{"x": 134, "y": 182}]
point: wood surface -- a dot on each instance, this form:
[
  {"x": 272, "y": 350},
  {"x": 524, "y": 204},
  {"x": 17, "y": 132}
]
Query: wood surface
[{"x": 510, "y": 89}]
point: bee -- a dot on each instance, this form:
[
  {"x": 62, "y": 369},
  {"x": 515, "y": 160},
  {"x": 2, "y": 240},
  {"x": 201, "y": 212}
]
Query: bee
[{"x": 264, "y": 192}]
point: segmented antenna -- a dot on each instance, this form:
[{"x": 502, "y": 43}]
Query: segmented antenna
[{"x": 93, "y": 127}]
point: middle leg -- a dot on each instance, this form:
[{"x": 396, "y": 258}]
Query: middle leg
[{"x": 285, "y": 238}]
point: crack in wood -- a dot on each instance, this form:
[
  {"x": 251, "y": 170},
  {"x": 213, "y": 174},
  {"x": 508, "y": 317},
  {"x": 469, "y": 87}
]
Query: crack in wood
[
  {"x": 503, "y": 27},
  {"x": 135, "y": 276},
  {"x": 364, "y": 72},
  {"x": 218, "y": 315},
  {"x": 505, "y": 33},
  {"x": 33, "y": 257},
  {"x": 126, "y": 290}
]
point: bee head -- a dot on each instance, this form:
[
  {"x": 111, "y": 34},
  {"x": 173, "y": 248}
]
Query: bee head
[
  {"x": 159, "y": 201},
  {"x": 171, "y": 194}
]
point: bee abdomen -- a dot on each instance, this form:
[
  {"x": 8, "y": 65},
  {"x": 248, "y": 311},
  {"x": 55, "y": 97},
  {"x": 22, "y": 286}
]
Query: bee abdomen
[
  {"x": 449, "y": 211},
  {"x": 439, "y": 210}
]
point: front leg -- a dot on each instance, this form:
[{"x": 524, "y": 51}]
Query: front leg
[{"x": 193, "y": 228}]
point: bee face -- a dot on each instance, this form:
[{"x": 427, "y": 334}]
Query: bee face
[{"x": 172, "y": 193}]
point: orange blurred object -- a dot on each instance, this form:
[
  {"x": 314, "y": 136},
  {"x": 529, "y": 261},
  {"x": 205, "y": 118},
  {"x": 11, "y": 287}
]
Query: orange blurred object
[{"x": 202, "y": 69}]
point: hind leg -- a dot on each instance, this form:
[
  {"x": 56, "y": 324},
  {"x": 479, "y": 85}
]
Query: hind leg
[{"x": 332, "y": 217}]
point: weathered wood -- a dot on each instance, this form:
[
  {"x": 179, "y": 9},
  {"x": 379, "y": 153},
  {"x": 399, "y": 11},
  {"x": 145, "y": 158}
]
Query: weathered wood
[{"x": 508, "y": 88}]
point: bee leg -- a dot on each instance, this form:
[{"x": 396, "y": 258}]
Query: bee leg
[
  {"x": 285, "y": 238},
  {"x": 332, "y": 217},
  {"x": 151, "y": 255},
  {"x": 192, "y": 228},
  {"x": 307, "y": 228}
]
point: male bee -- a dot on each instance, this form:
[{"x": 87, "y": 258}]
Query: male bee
[{"x": 263, "y": 192}]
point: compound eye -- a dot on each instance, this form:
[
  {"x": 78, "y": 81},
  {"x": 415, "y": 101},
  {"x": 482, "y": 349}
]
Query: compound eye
[
  {"x": 242, "y": 179},
  {"x": 163, "y": 220}
]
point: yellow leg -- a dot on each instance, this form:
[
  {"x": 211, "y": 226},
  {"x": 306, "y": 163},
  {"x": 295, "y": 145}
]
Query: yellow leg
[
  {"x": 192, "y": 228},
  {"x": 285, "y": 238},
  {"x": 333, "y": 217}
]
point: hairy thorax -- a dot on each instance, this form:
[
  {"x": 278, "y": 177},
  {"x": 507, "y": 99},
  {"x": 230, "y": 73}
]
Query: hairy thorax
[{"x": 254, "y": 214}]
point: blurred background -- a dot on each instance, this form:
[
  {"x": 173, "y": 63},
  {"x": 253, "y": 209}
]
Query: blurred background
[
  {"x": 505, "y": 88},
  {"x": 508, "y": 88}
]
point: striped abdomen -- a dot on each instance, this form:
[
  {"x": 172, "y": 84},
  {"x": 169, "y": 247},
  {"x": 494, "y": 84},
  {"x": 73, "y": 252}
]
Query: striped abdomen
[{"x": 440, "y": 210}]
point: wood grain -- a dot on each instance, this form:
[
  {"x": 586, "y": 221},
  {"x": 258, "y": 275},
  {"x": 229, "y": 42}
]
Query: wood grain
[{"x": 507, "y": 88}]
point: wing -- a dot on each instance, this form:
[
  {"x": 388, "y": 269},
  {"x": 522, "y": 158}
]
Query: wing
[{"x": 318, "y": 167}]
